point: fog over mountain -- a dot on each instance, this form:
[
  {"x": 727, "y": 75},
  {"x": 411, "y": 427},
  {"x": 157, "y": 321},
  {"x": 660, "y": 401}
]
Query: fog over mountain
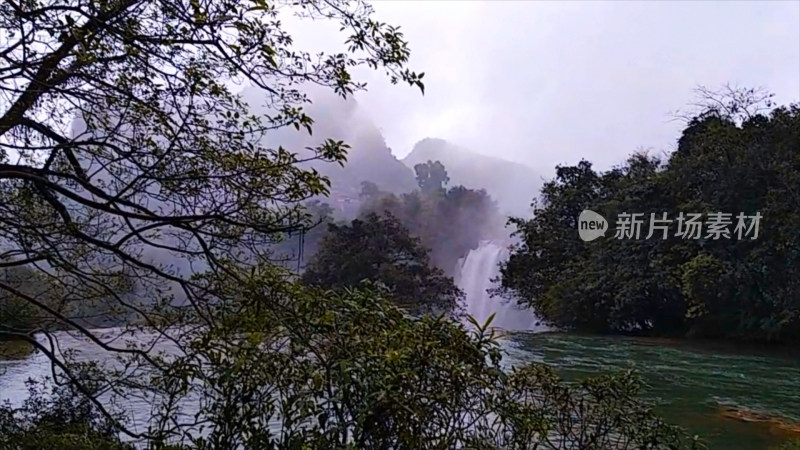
[
  {"x": 369, "y": 158},
  {"x": 511, "y": 184}
]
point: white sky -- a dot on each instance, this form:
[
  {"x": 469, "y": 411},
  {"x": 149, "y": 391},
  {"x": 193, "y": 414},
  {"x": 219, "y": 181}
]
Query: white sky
[{"x": 546, "y": 82}]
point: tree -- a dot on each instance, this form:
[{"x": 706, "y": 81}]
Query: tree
[
  {"x": 431, "y": 176},
  {"x": 290, "y": 366},
  {"x": 125, "y": 149},
  {"x": 350, "y": 369},
  {"x": 15, "y": 313},
  {"x": 379, "y": 249},
  {"x": 732, "y": 158}
]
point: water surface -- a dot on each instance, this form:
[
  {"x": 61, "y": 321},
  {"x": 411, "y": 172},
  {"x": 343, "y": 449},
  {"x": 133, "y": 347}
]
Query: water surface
[{"x": 692, "y": 385}]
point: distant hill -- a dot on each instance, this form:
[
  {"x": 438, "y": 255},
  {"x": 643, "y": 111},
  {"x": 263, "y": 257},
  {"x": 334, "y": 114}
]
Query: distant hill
[
  {"x": 369, "y": 159},
  {"x": 513, "y": 185}
]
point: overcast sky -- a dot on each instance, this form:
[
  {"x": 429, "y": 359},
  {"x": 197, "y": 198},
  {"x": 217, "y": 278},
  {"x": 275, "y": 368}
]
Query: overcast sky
[{"x": 545, "y": 82}]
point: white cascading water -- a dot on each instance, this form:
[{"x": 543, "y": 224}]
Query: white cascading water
[{"x": 474, "y": 276}]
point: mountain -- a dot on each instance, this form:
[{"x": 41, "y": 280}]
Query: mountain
[
  {"x": 369, "y": 158},
  {"x": 513, "y": 185}
]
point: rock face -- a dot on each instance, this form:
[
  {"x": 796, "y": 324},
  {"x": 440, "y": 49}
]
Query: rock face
[{"x": 512, "y": 185}]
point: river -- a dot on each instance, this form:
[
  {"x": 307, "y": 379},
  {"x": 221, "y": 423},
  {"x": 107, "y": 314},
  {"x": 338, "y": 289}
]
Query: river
[
  {"x": 691, "y": 385},
  {"x": 696, "y": 386},
  {"x": 709, "y": 390}
]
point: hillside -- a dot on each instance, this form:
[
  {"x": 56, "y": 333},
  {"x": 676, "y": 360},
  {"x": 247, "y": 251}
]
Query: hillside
[
  {"x": 513, "y": 185},
  {"x": 369, "y": 159}
]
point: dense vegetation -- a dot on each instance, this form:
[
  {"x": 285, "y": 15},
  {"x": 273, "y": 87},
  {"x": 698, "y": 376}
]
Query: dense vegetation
[
  {"x": 732, "y": 158},
  {"x": 350, "y": 370},
  {"x": 19, "y": 315},
  {"x": 380, "y": 249},
  {"x": 58, "y": 418},
  {"x": 448, "y": 221}
]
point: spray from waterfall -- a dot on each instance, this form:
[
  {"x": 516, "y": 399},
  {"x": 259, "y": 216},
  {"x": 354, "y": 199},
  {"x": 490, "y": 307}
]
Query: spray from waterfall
[{"x": 474, "y": 275}]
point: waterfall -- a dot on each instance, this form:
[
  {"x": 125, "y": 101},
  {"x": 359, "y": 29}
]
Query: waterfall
[{"x": 474, "y": 274}]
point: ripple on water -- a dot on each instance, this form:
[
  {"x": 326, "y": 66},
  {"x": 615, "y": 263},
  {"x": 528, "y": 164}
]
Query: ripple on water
[{"x": 691, "y": 385}]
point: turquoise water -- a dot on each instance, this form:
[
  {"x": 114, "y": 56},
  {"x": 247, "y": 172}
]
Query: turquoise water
[{"x": 692, "y": 385}]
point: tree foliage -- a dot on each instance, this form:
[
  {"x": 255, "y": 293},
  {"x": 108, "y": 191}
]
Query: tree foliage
[
  {"x": 60, "y": 419},
  {"x": 732, "y": 158},
  {"x": 350, "y": 369},
  {"x": 289, "y": 366},
  {"x": 379, "y": 249},
  {"x": 450, "y": 222},
  {"x": 129, "y": 164},
  {"x": 16, "y": 313},
  {"x": 431, "y": 176}
]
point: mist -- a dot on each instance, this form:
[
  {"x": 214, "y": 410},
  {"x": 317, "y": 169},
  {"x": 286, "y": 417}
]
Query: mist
[{"x": 545, "y": 83}]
